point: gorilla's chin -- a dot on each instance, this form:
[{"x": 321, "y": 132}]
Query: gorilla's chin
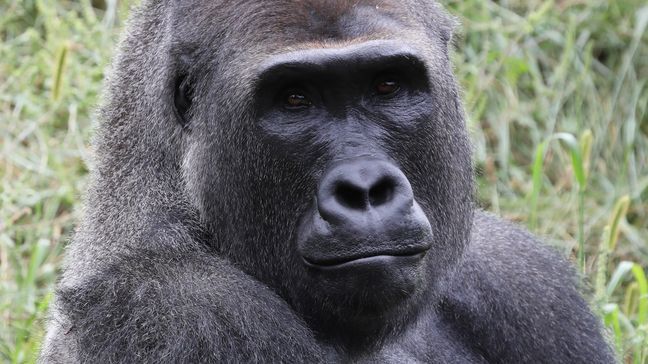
[
  {"x": 364, "y": 300},
  {"x": 370, "y": 285}
]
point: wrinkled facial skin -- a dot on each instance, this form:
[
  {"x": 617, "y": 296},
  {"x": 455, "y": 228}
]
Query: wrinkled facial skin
[
  {"x": 363, "y": 231},
  {"x": 346, "y": 184}
]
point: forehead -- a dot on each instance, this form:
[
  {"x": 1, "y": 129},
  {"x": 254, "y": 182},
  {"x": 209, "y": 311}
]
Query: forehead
[
  {"x": 343, "y": 20},
  {"x": 289, "y": 22}
]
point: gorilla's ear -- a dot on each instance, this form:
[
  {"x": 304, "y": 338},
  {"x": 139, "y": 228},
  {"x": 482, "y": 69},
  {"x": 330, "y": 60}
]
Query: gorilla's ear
[{"x": 182, "y": 98}]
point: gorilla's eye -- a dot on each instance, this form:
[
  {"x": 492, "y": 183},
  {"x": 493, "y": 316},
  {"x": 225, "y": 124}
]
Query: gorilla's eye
[
  {"x": 296, "y": 99},
  {"x": 386, "y": 86}
]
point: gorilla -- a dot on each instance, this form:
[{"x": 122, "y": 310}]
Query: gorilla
[{"x": 291, "y": 181}]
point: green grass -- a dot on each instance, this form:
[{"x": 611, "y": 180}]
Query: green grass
[{"x": 556, "y": 93}]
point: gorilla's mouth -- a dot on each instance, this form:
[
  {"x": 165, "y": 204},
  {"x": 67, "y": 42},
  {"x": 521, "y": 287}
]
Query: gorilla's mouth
[{"x": 413, "y": 253}]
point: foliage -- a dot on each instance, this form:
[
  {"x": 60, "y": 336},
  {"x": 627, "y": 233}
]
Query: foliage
[{"x": 556, "y": 93}]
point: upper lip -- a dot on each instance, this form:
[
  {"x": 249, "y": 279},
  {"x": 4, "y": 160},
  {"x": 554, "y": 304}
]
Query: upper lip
[{"x": 342, "y": 260}]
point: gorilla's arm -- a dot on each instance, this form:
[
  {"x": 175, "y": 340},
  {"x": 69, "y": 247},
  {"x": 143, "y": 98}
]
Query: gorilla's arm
[
  {"x": 516, "y": 301},
  {"x": 175, "y": 307}
]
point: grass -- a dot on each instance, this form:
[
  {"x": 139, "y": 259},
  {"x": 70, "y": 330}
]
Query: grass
[{"x": 556, "y": 93}]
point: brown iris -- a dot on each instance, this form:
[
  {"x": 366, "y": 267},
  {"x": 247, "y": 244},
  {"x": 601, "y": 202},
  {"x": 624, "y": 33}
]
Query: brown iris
[
  {"x": 387, "y": 87},
  {"x": 297, "y": 100}
]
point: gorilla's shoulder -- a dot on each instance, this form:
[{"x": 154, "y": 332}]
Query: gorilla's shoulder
[
  {"x": 508, "y": 271},
  {"x": 514, "y": 297},
  {"x": 502, "y": 251}
]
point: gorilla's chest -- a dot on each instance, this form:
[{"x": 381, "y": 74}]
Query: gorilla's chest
[{"x": 430, "y": 341}]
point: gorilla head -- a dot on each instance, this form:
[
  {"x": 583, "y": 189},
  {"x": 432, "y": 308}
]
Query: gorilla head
[{"x": 326, "y": 151}]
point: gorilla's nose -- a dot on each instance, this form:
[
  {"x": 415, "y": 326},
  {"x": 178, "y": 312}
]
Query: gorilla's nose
[{"x": 364, "y": 192}]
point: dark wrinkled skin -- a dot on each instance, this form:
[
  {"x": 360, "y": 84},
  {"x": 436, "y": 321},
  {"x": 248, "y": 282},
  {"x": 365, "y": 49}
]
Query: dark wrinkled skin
[{"x": 225, "y": 224}]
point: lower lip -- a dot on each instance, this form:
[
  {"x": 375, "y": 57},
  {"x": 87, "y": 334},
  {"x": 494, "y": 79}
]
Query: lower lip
[{"x": 376, "y": 260}]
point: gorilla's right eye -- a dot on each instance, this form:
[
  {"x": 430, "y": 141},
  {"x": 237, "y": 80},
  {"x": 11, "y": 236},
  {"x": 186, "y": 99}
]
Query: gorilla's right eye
[{"x": 296, "y": 99}]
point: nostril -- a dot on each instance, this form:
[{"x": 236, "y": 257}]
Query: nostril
[
  {"x": 382, "y": 192},
  {"x": 363, "y": 192},
  {"x": 350, "y": 196}
]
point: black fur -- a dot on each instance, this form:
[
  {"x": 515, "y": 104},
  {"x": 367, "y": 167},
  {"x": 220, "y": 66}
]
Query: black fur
[{"x": 189, "y": 250}]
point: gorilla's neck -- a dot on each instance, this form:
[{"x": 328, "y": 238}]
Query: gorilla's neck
[{"x": 355, "y": 331}]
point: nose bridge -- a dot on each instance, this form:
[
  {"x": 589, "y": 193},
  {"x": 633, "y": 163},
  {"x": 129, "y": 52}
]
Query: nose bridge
[{"x": 351, "y": 140}]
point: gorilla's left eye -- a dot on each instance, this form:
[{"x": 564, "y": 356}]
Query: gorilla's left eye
[
  {"x": 386, "y": 86},
  {"x": 296, "y": 99}
]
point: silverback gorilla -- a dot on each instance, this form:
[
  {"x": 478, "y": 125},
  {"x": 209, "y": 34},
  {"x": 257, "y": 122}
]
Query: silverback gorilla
[{"x": 290, "y": 181}]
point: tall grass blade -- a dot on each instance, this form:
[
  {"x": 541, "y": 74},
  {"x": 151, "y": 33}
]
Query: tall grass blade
[{"x": 58, "y": 73}]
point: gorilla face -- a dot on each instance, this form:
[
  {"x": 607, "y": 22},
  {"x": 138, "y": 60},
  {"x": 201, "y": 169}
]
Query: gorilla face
[
  {"x": 363, "y": 238},
  {"x": 336, "y": 170}
]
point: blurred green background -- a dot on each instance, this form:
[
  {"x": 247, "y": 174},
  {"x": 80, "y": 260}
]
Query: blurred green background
[{"x": 556, "y": 93}]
